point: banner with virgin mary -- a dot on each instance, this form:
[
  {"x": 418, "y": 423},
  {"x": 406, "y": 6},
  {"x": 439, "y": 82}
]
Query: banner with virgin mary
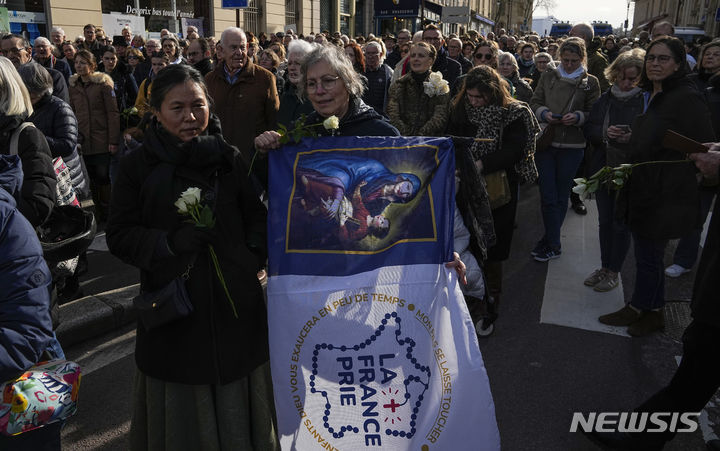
[{"x": 371, "y": 342}]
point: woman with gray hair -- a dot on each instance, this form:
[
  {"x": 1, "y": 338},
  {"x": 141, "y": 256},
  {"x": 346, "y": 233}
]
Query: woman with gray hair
[
  {"x": 508, "y": 68},
  {"x": 171, "y": 47},
  {"x": 56, "y": 120},
  {"x": 379, "y": 77},
  {"x": 542, "y": 61},
  {"x": 329, "y": 81},
  {"x": 292, "y": 106}
]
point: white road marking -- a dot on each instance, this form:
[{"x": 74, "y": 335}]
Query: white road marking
[
  {"x": 99, "y": 244},
  {"x": 567, "y": 302}
]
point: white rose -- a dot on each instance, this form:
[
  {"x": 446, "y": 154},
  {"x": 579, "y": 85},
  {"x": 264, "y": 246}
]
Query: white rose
[
  {"x": 580, "y": 181},
  {"x": 580, "y": 189},
  {"x": 435, "y": 76},
  {"x": 429, "y": 88},
  {"x": 331, "y": 123},
  {"x": 191, "y": 196},
  {"x": 181, "y": 206}
]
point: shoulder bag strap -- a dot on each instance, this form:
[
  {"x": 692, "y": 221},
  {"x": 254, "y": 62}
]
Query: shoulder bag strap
[{"x": 15, "y": 138}]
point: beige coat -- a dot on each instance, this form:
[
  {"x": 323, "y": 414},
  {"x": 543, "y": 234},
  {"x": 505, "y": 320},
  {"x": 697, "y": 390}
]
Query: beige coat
[
  {"x": 96, "y": 111},
  {"x": 554, "y": 93}
]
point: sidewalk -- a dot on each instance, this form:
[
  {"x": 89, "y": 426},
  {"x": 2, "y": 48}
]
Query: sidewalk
[{"x": 97, "y": 314}]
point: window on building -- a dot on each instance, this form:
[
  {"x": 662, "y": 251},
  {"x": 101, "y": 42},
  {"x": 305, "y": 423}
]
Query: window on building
[{"x": 326, "y": 15}]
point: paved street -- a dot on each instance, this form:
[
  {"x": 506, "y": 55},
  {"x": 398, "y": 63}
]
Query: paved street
[{"x": 547, "y": 358}]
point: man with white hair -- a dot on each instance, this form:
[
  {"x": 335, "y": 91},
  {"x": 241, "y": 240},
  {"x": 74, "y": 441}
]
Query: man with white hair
[
  {"x": 57, "y": 37},
  {"x": 18, "y": 50},
  {"x": 246, "y": 97},
  {"x": 455, "y": 52},
  {"x": 44, "y": 56},
  {"x": 379, "y": 77},
  {"x": 126, "y": 33}
]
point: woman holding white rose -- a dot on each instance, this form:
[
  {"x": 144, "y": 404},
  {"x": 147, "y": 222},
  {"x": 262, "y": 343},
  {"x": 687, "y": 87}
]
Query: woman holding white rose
[
  {"x": 334, "y": 88},
  {"x": 203, "y": 378},
  {"x": 419, "y": 101}
]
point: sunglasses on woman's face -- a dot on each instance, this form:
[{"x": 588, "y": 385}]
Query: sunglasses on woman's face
[{"x": 480, "y": 56}]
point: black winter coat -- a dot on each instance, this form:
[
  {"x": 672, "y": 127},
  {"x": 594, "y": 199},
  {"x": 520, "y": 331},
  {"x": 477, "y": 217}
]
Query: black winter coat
[
  {"x": 705, "y": 306},
  {"x": 204, "y": 66},
  {"x": 60, "y": 86},
  {"x": 291, "y": 107},
  {"x": 38, "y": 190},
  {"x": 378, "y": 86},
  {"x": 448, "y": 67},
  {"x": 609, "y": 110},
  {"x": 126, "y": 88},
  {"x": 57, "y": 121},
  {"x": 360, "y": 120},
  {"x": 663, "y": 199},
  {"x": 210, "y": 346}
]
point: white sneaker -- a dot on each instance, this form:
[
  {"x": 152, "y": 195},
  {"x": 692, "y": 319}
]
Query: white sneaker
[{"x": 675, "y": 271}]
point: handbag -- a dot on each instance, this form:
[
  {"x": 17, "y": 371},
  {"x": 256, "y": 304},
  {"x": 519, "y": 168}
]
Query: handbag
[
  {"x": 547, "y": 136},
  {"x": 44, "y": 394},
  {"x": 168, "y": 304},
  {"x": 498, "y": 188}
]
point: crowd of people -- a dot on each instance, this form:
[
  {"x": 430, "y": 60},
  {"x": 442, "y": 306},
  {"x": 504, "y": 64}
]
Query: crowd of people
[{"x": 139, "y": 121}]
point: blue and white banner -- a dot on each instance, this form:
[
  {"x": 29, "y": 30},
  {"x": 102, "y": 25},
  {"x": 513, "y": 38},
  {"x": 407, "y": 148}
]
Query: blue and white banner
[{"x": 372, "y": 346}]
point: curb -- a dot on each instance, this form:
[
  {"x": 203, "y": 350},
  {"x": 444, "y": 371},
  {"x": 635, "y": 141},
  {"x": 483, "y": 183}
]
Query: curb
[{"x": 95, "y": 315}]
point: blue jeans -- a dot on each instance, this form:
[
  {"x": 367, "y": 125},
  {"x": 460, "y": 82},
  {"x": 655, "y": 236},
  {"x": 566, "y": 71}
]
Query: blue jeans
[
  {"x": 556, "y": 170},
  {"x": 687, "y": 249},
  {"x": 614, "y": 236},
  {"x": 649, "y": 292}
]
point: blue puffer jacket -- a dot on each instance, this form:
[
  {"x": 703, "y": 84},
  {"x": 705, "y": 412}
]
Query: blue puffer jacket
[{"x": 25, "y": 324}]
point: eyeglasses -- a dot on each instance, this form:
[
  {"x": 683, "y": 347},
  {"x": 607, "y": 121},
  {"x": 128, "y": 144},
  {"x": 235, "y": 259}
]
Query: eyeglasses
[
  {"x": 480, "y": 56},
  {"x": 662, "y": 59},
  {"x": 132, "y": 57},
  {"x": 12, "y": 51},
  {"x": 327, "y": 84}
]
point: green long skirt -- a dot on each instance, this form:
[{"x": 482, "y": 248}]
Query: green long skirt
[{"x": 236, "y": 416}]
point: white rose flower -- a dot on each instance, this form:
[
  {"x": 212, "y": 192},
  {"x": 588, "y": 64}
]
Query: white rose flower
[
  {"x": 191, "y": 196},
  {"x": 580, "y": 189},
  {"x": 331, "y": 123},
  {"x": 580, "y": 181},
  {"x": 181, "y": 206},
  {"x": 435, "y": 76}
]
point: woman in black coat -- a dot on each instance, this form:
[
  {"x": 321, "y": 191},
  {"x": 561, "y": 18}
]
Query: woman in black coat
[
  {"x": 484, "y": 109},
  {"x": 126, "y": 88},
  {"x": 608, "y": 129},
  {"x": 38, "y": 189},
  {"x": 660, "y": 201},
  {"x": 213, "y": 353},
  {"x": 56, "y": 120}
]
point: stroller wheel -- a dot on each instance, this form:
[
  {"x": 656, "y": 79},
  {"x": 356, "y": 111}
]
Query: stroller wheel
[{"x": 484, "y": 328}]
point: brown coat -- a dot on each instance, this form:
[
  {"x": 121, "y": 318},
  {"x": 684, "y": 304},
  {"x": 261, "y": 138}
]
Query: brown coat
[
  {"x": 97, "y": 113},
  {"x": 246, "y": 108}
]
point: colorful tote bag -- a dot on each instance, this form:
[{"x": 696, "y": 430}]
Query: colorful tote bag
[{"x": 44, "y": 394}]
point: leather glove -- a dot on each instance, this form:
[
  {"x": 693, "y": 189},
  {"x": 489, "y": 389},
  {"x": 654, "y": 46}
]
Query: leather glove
[{"x": 188, "y": 238}]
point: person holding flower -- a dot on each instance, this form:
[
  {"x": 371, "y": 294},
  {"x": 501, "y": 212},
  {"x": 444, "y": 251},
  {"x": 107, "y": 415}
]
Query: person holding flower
[
  {"x": 203, "y": 379},
  {"x": 608, "y": 130},
  {"x": 418, "y": 104},
  {"x": 334, "y": 88},
  {"x": 660, "y": 201}
]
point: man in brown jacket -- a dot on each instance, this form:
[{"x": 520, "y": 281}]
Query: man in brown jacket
[{"x": 245, "y": 95}]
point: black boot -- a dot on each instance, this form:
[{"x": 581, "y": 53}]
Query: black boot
[{"x": 577, "y": 204}]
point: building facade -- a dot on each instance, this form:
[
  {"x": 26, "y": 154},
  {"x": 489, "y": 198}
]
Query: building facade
[
  {"x": 701, "y": 14},
  {"x": 148, "y": 17}
]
